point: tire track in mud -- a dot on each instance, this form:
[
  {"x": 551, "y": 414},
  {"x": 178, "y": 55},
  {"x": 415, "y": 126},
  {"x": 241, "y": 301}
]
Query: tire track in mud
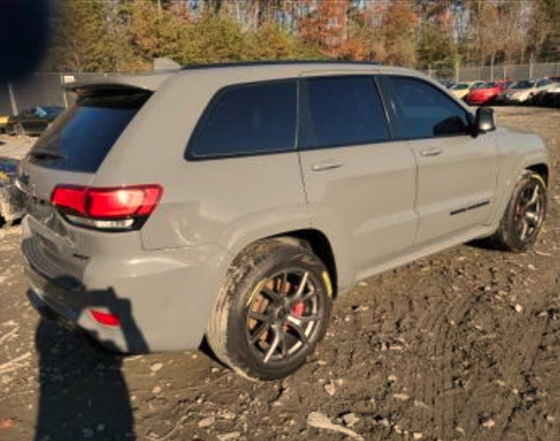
[
  {"x": 462, "y": 387},
  {"x": 515, "y": 358},
  {"x": 436, "y": 380},
  {"x": 522, "y": 345},
  {"x": 517, "y": 354}
]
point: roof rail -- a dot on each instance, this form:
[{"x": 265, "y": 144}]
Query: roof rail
[{"x": 277, "y": 63}]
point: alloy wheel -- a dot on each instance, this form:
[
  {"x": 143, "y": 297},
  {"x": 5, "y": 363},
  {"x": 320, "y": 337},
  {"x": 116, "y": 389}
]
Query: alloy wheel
[
  {"x": 529, "y": 211},
  {"x": 282, "y": 315}
]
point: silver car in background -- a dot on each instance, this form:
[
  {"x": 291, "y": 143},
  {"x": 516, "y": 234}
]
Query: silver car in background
[{"x": 524, "y": 90}]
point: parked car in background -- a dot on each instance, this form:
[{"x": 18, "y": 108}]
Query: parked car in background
[
  {"x": 3, "y": 123},
  {"x": 549, "y": 96},
  {"x": 260, "y": 204},
  {"x": 486, "y": 93},
  {"x": 516, "y": 87},
  {"x": 446, "y": 83},
  {"x": 12, "y": 205},
  {"x": 33, "y": 121},
  {"x": 461, "y": 90},
  {"x": 521, "y": 91}
]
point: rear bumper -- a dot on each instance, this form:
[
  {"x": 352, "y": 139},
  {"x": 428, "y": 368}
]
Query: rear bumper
[
  {"x": 69, "y": 310},
  {"x": 50, "y": 314},
  {"x": 163, "y": 299}
]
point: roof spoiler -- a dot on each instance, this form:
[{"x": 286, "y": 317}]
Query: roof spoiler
[
  {"x": 100, "y": 88},
  {"x": 159, "y": 64}
]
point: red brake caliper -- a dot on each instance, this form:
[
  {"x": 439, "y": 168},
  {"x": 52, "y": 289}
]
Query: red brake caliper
[{"x": 298, "y": 308}]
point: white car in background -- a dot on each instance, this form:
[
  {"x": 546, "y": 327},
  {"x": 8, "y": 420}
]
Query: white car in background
[
  {"x": 554, "y": 88},
  {"x": 523, "y": 90}
]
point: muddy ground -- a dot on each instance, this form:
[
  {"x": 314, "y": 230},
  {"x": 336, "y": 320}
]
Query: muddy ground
[{"x": 462, "y": 346}]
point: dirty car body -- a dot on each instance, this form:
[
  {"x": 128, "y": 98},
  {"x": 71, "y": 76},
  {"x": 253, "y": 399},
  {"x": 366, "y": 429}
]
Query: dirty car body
[{"x": 141, "y": 235}]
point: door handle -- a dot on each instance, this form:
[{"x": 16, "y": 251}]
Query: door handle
[
  {"x": 326, "y": 165},
  {"x": 431, "y": 152}
]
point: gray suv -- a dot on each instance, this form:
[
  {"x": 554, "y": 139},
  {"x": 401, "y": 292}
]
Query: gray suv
[{"x": 238, "y": 201}]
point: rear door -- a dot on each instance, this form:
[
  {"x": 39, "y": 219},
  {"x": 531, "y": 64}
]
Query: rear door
[
  {"x": 456, "y": 172},
  {"x": 360, "y": 186}
]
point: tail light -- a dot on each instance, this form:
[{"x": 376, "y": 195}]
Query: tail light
[
  {"x": 105, "y": 318},
  {"x": 117, "y": 209}
]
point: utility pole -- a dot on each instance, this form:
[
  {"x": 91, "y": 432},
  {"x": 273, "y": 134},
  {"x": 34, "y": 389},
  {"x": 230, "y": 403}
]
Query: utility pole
[{"x": 13, "y": 101}]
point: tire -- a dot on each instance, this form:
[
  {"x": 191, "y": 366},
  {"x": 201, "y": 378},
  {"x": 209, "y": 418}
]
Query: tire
[
  {"x": 523, "y": 220},
  {"x": 272, "y": 310}
]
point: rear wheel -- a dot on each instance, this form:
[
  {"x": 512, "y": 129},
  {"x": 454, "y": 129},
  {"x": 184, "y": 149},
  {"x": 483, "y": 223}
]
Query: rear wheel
[
  {"x": 272, "y": 311},
  {"x": 525, "y": 214}
]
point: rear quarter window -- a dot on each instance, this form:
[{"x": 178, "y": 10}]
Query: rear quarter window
[
  {"x": 82, "y": 136},
  {"x": 247, "y": 119}
]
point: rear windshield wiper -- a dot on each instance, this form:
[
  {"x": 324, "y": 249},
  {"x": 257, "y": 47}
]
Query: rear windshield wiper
[{"x": 46, "y": 155}]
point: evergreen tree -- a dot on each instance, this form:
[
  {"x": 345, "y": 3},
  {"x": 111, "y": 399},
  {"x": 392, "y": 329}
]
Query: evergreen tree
[{"x": 81, "y": 42}]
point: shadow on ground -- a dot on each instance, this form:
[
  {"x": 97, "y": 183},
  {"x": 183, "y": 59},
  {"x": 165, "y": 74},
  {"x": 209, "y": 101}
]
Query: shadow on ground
[{"x": 83, "y": 393}]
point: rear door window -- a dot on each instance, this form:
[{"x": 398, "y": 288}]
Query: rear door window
[
  {"x": 343, "y": 111},
  {"x": 246, "y": 120},
  {"x": 82, "y": 136}
]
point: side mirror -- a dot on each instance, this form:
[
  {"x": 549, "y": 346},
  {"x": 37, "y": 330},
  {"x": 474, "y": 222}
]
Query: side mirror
[{"x": 484, "y": 121}]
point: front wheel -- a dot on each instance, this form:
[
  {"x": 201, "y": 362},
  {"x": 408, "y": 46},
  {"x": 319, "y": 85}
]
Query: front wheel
[
  {"x": 525, "y": 214},
  {"x": 272, "y": 311}
]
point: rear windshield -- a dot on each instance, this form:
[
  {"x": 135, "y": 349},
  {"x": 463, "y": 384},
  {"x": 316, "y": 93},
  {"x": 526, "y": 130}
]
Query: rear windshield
[{"x": 82, "y": 136}]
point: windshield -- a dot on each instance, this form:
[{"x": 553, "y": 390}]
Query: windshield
[
  {"x": 526, "y": 84},
  {"x": 490, "y": 85},
  {"x": 460, "y": 86}
]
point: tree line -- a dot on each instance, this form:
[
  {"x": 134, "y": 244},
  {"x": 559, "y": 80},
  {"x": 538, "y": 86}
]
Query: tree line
[{"x": 126, "y": 35}]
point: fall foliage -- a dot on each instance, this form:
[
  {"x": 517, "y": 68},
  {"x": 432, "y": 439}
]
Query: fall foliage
[{"x": 126, "y": 35}]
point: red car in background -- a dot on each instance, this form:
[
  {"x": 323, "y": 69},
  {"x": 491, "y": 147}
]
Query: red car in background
[{"x": 486, "y": 93}]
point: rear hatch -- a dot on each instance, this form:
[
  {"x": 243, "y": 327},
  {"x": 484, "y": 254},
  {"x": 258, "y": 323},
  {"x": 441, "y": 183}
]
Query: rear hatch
[{"x": 59, "y": 170}]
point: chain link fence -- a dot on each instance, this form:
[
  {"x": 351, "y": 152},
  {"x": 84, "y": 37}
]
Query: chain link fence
[
  {"x": 47, "y": 88},
  {"x": 498, "y": 72}
]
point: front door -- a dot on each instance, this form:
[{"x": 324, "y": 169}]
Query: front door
[{"x": 456, "y": 172}]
